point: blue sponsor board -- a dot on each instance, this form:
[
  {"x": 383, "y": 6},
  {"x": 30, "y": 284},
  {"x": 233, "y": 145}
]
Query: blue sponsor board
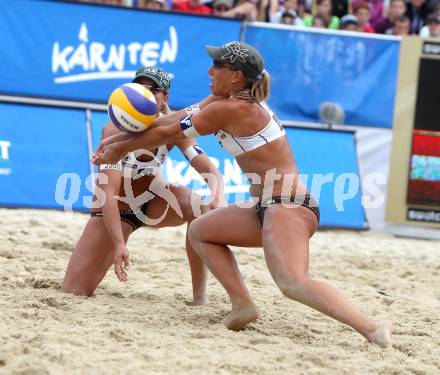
[
  {"x": 98, "y": 121},
  {"x": 44, "y": 163},
  {"x": 43, "y": 157},
  {"x": 310, "y": 68},
  {"x": 327, "y": 162},
  {"x": 85, "y": 55},
  {"x": 83, "y": 51}
]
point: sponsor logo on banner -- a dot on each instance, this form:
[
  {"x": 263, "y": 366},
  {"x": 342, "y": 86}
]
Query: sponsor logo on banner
[
  {"x": 181, "y": 173},
  {"x": 423, "y": 215},
  {"x": 431, "y": 48},
  {"x": 4, "y": 158},
  {"x": 92, "y": 60}
]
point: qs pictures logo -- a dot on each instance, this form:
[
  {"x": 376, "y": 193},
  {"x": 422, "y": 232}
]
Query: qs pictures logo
[{"x": 4, "y": 157}]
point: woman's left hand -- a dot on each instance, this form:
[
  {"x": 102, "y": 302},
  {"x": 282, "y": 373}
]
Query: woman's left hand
[{"x": 121, "y": 263}]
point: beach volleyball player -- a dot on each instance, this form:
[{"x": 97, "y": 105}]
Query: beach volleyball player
[
  {"x": 103, "y": 241},
  {"x": 285, "y": 215}
]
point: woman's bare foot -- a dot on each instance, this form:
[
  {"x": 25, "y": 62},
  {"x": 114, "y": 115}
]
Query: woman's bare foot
[
  {"x": 240, "y": 316},
  {"x": 198, "y": 301},
  {"x": 382, "y": 335}
]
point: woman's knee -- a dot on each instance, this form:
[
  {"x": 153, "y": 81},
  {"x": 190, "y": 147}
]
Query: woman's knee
[
  {"x": 79, "y": 280},
  {"x": 292, "y": 286},
  {"x": 195, "y": 230},
  {"x": 77, "y": 288}
]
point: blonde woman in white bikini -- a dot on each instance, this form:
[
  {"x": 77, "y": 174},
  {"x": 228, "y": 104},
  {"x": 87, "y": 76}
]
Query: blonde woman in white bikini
[{"x": 284, "y": 217}]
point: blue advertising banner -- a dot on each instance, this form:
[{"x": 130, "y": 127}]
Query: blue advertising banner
[
  {"x": 43, "y": 157},
  {"x": 83, "y": 51},
  {"x": 98, "y": 121},
  {"x": 327, "y": 161},
  {"x": 58, "y": 176},
  {"x": 309, "y": 68}
]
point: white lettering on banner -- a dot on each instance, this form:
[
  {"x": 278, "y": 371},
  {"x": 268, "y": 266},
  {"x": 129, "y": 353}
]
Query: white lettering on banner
[
  {"x": 232, "y": 172},
  {"x": 423, "y": 215},
  {"x": 100, "y": 61},
  {"x": 4, "y": 156},
  {"x": 4, "y": 150},
  {"x": 179, "y": 173}
]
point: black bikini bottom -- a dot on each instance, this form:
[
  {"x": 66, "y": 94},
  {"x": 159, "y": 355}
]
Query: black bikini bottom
[
  {"x": 128, "y": 216},
  {"x": 306, "y": 201}
]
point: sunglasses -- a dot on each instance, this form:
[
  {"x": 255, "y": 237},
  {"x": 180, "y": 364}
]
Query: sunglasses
[
  {"x": 219, "y": 65},
  {"x": 154, "y": 89}
]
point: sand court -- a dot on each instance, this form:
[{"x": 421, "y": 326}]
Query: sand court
[{"x": 148, "y": 325}]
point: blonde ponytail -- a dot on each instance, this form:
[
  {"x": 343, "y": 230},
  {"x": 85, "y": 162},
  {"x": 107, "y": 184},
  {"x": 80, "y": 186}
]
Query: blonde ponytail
[{"x": 260, "y": 88}]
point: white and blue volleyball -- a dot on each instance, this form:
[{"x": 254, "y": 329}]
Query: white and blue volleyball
[{"x": 132, "y": 107}]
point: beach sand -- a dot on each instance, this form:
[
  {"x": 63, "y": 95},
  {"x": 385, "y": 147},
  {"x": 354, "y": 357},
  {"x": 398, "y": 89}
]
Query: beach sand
[{"x": 148, "y": 327}]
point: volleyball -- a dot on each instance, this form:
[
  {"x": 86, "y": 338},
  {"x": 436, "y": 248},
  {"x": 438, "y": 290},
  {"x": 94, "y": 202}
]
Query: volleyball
[{"x": 132, "y": 107}]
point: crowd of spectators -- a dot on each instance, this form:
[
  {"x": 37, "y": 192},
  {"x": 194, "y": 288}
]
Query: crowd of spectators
[{"x": 392, "y": 17}]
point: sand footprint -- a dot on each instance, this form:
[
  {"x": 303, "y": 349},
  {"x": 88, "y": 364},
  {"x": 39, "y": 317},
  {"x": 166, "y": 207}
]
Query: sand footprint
[
  {"x": 44, "y": 283},
  {"x": 57, "y": 245}
]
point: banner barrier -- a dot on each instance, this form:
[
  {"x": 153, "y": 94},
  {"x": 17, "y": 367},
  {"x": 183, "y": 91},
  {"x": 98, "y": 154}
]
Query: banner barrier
[
  {"x": 85, "y": 56},
  {"x": 95, "y": 49},
  {"x": 326, "y": 159},
  {"x": 44, "y": 163},
  {"x": 41, "y": 147},
  {"x": 309, "y": 68}
]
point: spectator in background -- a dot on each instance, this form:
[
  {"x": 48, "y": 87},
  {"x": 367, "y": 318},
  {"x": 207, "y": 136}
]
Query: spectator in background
[
  {"x": 289, "y": 17},
  {"x": 266, "y": 8},
  {"x": 417, "y": 12},
  {"x": 349, "y": 23},
  {"x": 376, "y": 8},
  {"x": 302, "y": 9},
  {"x": 219, "y": 7},
  {"x": 396, "y": 9},
  {"x": 107, "y": 2},
  {"x": 153, "y": 4},
  {"x": 319, "y": 22},
  {"x": 401, "y": 27},
  {"x": 289, "y": 10},
  {"x": 253, "y": 10},
  {"x": 362, "y": 11},
  {"x": 341, "y": 7},
  {"x": 192, "y": 6},
  {"x": 432, "y": 28},
  {"x": 324, "y": 8},
  {"x": 245, "y": 10}
]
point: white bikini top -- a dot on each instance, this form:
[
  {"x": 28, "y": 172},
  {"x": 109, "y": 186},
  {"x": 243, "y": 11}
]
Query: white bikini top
[
  {"x": 239, "y": 145},
  {"x": 133, "y": 168}
]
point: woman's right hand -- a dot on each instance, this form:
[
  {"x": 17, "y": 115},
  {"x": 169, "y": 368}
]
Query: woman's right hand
[
  {"x": 120, "y": 137},
  {"x": 121, "y": 262},
  {"x": 109, "y": 154}
]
